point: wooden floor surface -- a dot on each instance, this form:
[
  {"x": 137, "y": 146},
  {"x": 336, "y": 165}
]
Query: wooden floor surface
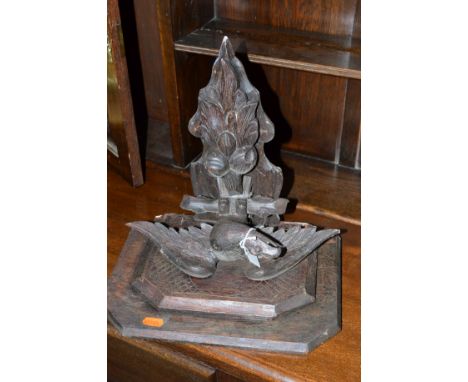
[{"x": 336, "y": 360}]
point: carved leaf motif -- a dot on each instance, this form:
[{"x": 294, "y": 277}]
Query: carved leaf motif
[
  {"x": 251, "y": 133},
  {"x": 211, "y": 95},
  {"x": 226, "y": 83},
  {"x": 230, "y": 122},
  {"x": 246, "y": 113},
  {"x": 247, "y": 132},
  {"x": 240, "y": 99},
  {"x": 211, "y": 120}
]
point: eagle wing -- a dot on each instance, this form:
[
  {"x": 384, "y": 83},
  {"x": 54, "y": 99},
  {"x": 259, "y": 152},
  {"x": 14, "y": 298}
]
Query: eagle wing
[
  {"x": 299, "y": 243},
  {"x": 188, "y": 249}
]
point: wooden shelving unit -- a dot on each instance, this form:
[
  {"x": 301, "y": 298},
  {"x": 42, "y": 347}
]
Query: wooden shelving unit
[
  {"x": 303, "y": 57},
  {"x": 285, "y": 48}
]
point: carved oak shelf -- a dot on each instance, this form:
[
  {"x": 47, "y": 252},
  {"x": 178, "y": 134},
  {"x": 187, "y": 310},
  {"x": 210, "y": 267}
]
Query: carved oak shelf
[
  {"x": 233, "y": 260},
  {"x": 312, "y": 52}
]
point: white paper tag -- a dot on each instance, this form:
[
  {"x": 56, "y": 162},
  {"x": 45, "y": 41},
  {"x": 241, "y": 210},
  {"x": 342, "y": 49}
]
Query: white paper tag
[{"x": 253, "y": 259}]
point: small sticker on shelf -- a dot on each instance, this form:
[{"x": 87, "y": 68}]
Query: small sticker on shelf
[{"x": 156, "y": 322}]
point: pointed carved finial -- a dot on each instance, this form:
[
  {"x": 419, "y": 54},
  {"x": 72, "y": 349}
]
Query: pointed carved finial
[
  {"x": 226, "y": 51},
  {"x": 229, "y": 120}
]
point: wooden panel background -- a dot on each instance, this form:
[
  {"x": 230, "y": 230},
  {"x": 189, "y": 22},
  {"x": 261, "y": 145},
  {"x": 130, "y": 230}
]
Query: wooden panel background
[
  {"x": 334, "y": 17},
  {"x": 120, "y": 109},
  {"x": 189, "y": 15},
  {"x": 308, "y": 116},
  {"x": 317, "y": 115},
  {"x": 158, "y": 138},
  {"x": 349, "y": 146},
  {"x": 314, "y": 114},
  {"x": 151, "y": 59}
]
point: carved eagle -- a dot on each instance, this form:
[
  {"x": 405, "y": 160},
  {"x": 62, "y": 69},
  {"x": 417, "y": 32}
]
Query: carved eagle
[{"x": 194, "y": 252}]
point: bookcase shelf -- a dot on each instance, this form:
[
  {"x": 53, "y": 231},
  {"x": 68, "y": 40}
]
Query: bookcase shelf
[{"x": 285, "y": 48}]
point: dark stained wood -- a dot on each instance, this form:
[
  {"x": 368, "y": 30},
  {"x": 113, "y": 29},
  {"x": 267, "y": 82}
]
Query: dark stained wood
[
  {"x": 357, "y": 21},
  {"x": 226, "y": 267},
  {"x": 176, "y": 17},
  {"x": 309, "y": 115},
  {"x": 151, "y": 59},
  {"x": 189, "y": 15},
  {"x": 188, "y": 86},
  {"x": 167, "y": 186},
  {"x": 137, "y": 360},
  {"x": 315, "y": 114},
  {"x": 324, "y": 189},
  {"x": 158, "y": 145},
  {"x": 313, "y": 52},
  {"x": 223, "y": 377},
  {"x": 295, "y": 332},
  {"x": 358, "y": 158},
  {"x": 351, "y": 144},
  {"x": 335, "y": 17},
  {"x": 154, "y": 132},
  {"x": 178, "y": 135},
  {"x": 312, "y": 112},
  {"x": 238, "y": 145},
  {"x": 351, "y": 135},
  {"x": 121, "y": 122},
  {"x": 336, "y": 360},
  {"x": 230, "y": 290},
  {"x": 327, "y": 191}
]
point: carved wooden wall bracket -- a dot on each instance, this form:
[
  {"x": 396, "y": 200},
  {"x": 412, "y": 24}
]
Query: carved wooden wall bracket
[{"x": 276, "y": 285}]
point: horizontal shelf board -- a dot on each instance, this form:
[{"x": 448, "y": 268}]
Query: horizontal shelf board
[{"x": 313, "y": 52}]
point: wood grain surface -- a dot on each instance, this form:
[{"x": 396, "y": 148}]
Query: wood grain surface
[
  {"x": 120, "y": 111},
  {"x": 131, "y": 360},
  {"x": 334, "y": 17},
  {"x": 304, "y": 57},
  {"x": 151, "y": 59},
  {"x": 336, "y": 360},
  {"x": 308, "y": 51}
]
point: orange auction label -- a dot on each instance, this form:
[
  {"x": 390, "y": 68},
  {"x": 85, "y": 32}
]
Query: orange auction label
[{"x": 153, "y": 321}]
